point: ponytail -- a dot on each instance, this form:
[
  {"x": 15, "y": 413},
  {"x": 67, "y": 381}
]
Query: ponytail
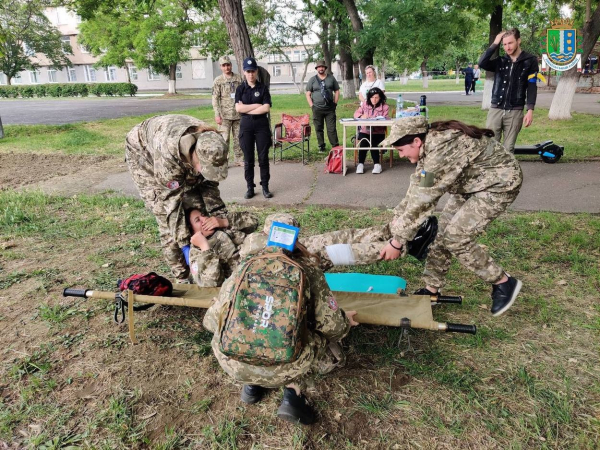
[{"x": 469, "y": 130}]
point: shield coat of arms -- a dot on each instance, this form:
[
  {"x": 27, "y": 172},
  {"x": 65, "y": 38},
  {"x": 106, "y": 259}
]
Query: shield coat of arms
[{"x": 561, "y": 45}]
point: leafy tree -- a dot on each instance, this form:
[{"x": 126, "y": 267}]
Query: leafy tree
[
  {"x": 157, "y": 35},
  {"x": 25, "y": 35}
]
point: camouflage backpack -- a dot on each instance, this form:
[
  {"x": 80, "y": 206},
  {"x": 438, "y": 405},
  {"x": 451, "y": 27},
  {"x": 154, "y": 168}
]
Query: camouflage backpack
[{"x": 266, "y": 320}]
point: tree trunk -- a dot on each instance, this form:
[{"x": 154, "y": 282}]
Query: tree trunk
[
  {"x": 347, "y": 69},
  {"x": 357, "y": 27},
  {"x": 404, "y": 80},
  {"x": 1, "y": 129},
  {"x": 495, "y": 28},
  {"x": 172, "y": 72},
  {"x": 560, "y": 109},
  {"x": 233, "y": 15},
  {"x": 293, "y": 74},
  {"x": 424, "y": 73},
  {"x": 457, "y": 72},
  {"x": 8, "y": 80}
]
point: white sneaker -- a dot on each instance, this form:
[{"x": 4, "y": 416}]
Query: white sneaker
[
  {"x": 377, "y": 168},
  {"x": 360, "y": 168}
]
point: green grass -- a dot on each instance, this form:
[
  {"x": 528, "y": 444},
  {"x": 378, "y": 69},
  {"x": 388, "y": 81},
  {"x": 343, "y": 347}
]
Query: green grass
[
  {"x": 529, "y": 379},
  {"x": 106, "y": 137},
  {"x": 433, "y": 86}
]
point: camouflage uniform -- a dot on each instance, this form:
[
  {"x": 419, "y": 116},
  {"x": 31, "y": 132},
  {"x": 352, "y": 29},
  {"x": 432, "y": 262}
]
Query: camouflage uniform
[
  {"x": 482, "y": 178},
  {"x": 365, "y": 243},
  {"x": 210, "y": 268},
  {"x": 320, "y": 355},
  {"x": 224, "y": 107},
  {"x": 157, "y": 153}
]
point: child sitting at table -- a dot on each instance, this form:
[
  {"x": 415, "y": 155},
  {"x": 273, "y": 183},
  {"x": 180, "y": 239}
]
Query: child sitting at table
[{"x": 375, "y": 106}]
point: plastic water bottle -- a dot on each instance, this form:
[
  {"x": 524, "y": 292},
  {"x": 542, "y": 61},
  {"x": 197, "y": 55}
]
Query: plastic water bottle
[{"x": 399, "y": 106}]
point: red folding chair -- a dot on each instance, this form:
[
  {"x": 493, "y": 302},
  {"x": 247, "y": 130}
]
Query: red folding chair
[{"x": 293, "y": 131}]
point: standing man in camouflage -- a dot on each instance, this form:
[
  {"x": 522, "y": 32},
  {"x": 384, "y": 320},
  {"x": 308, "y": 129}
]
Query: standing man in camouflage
[
  {"x": 514, "y": 87},
  {"x": 176, "y": 162},
  {"x": 482, "y": 178},
  {"x": 223, "y": 101}
]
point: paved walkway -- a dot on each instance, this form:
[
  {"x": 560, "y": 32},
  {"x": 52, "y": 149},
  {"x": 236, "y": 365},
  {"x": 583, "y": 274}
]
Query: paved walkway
[
  {"x": 567, "y": 188},
  {"x": 71, "y": 110}
]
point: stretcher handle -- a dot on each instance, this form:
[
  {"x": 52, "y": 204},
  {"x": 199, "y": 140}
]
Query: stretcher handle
[
  {"x": 460, "y": 328},
  {"x": 457, "y": 300},
  {"x": 72, "y": 292}
]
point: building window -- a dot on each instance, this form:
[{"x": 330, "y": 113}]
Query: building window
[
  {"x": 17, "y": 79},
  {"x": 296, "y": 55},
  {"x": 2, "y": 78},
  {"x": 28, "y": 51},
  {"x": 90, "y": 73},
  {"x": 34, "y": 76},
  {"x": 110, "y": 73},
  {"x": 66, "y": 40},
  {"x": 71, "y": 75},
  {"x": 133, "y": 75},
  {"x": 276, "y": 71},
  {"x": 295, "y": 71},
  {"x": 198, "y": 69},
  {"x": 52, "y": 75},
  {"x": 152, "y": 75},
  {"x": 84, "y": 49},
  {"x": 196, "y": 40},
  {"x": 178, "y": 73}
]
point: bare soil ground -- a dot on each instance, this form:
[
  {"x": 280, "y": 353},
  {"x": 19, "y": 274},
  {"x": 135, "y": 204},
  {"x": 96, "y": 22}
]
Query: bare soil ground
[{"x": 18, "y": 170}]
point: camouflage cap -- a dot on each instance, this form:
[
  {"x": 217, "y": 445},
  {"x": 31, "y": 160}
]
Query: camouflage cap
[
  {"x": 286, "y": 218},
  {"x": 224, "y": 60},
  {"x": 212, "y": 153},
  {"x": 404, "y": 127}
]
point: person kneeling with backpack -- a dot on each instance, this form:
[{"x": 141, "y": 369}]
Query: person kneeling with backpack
[{"x": 276, "y": 324}]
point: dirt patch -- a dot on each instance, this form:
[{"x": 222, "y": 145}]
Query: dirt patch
[{"x": 18, "y": 170}]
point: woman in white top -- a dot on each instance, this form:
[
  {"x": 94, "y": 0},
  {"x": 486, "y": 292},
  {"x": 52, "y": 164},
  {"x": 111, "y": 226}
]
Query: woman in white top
[{"x": 369, "y": 83}]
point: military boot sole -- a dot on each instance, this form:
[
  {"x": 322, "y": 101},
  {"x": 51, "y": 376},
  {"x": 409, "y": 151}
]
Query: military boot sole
[
  {"x": 512, "y": 300},
  {"x": 289, "y": 414},
  {"x": 251, "y": 399}
]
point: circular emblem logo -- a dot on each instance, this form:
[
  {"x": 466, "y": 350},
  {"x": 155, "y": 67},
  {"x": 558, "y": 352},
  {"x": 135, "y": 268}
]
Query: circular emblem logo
[
  {"x": 256, "y": 94},
  {"x": 333, "y": 303},
  {"x": 173, "y": 184},
  {"x": 249, "y": 61}
]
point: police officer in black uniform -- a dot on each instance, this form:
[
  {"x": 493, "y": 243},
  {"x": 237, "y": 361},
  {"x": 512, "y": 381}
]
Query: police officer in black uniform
[{"x": 253, "y": 102}]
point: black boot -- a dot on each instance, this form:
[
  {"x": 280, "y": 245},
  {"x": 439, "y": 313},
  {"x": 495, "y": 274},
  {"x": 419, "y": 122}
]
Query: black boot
[
  {"x": 266, "y": 192},
  {"x": 295, "y": 409},
  {"x": 425, "y": 291},
  {"x": 251, "y": 393},
  {"x": 249, "y": 192}
]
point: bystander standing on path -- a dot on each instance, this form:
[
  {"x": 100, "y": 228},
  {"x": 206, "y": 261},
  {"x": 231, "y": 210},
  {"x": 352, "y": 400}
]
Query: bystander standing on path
[
  {"x": 322, "y": 94},
  {"x": 513, "y": 87},
  {"x": 223, "y": 101}
]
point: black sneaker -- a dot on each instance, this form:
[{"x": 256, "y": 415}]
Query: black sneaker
[
  {"x": 321, "y": 148},
  {"x": 295, "y": 409},
  {"x": 504, "y": 295},
  {"x": 266, "y": 192},
  {"x": 249, "y": 193},
  {"x": 251, "y": 393},
  {"x": 425, "y": 291}
]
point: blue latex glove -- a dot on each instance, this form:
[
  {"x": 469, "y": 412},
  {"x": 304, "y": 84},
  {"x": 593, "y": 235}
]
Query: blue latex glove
[{"x": 186, "y": 254}]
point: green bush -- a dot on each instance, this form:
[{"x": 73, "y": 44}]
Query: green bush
[
  {"x": 55, "y": 90},
  {"x": 68, "y": 90},
  {"x": 41, "y": 90}
]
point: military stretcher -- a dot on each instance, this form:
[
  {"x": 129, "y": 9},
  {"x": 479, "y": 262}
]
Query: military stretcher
[{"x": 373, "y": 308}]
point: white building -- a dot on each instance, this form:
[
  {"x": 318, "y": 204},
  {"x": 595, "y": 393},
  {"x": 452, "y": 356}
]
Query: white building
[{"x": 197, "y": 73}]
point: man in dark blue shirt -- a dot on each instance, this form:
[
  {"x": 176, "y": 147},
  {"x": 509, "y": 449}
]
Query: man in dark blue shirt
[{"x": 253, "y": 102}]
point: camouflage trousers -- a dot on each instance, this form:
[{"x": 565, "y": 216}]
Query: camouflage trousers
[
  {"x": 463, "y": 219},
  {"x": 211, "y": 267},
  {"x": 365, "y": 244},
  {"x": 229, "y": 128},
  {"x": 319, "y": 357}
]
